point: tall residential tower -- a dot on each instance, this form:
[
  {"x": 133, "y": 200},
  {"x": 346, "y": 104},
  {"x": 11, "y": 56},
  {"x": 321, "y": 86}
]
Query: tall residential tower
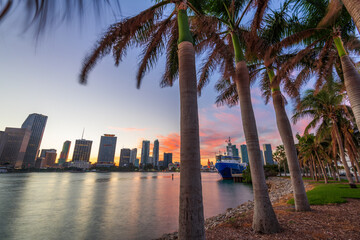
[
  {"x": 145, "y": 150},
  {"x": 107, "y": 148},
  {"x": 36, "y": 124},
  {"x": 156, "y": 153}
]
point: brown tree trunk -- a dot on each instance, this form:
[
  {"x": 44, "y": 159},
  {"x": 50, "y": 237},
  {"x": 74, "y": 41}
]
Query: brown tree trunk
[
  {"x": 355, "y": 172},
  {"x": 191, "y": 214},
  {"x": 342, "y": 155},
  {"x": 322, "y": 168},
  {"x": 352, "y": 84},
  {"x": 284, "y": 127},
  {"x": 353, "y": 7},
  {"x": 315, "y": 170},
  {"x": 337, "y": 171},
  {"x": 312, "y": 175},
  {"x": 264, "y": 219},
  {"x": 332, "y": 172}
]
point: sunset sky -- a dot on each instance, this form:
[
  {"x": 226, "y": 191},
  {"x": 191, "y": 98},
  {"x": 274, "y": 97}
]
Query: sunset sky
[{"x": 42, "y": 77}]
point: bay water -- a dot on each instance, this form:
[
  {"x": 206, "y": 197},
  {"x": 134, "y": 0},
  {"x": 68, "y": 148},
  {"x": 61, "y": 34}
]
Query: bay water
[{"x": 114, "y": 205}]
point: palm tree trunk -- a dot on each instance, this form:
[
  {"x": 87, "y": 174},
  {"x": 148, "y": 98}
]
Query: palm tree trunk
[
  {"x": 321, "y": 168},
  {"x": 337, "y": 170},
  {"x": 351, "y": 78},
  {"x": 312, "y": 175},
  {"x": 284, "y": 127},
  {"x": 332, "y": 172},
  {"x": 353, "y": 7},
  {"x": 355, "y": 172},
  {"x": 191, "y": 213},
  {"x": 264, "y": 219},
  {"x": 342, "y": 156}
]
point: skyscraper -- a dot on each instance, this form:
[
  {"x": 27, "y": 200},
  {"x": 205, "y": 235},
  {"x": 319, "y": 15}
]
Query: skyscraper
[
  {"x": 156, "y": 153},
  {"x": 82, "y": 150},
  {"x": 36, "y": 124},
  {"x": 145, "y": 152},
  {"x": 14, "y": 149},
  {"x": 244, "y": 154},
  {"x": 167, "y": 159},
  {"x": 64, "y": 153},
  {"x": 133, "y": 154},
  {"x": 268, "y": 160},
  {"x": 107, "y": 148},
  {"x": 124, "y": 157}
]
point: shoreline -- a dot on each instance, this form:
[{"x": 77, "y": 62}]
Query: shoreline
[{"x": 279, "y": 187}]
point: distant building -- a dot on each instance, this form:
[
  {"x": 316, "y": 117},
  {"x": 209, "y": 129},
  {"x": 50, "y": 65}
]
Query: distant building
[
  {"x": 107, "y": 149},
  {"x": 161, "y": 163},
  {"x": 156, "y": 153},
  {"x": 36, "y": 124},
  {"x": 64, "y": 153},
  {"x": 124, "y": 157},
  {"x": 133, "y": 154},
  {"x": 268, "y": 160},
  {"x": 14, "y": 149},
  {"x": 3, "y": 137},
  {"x": 145, "y": 150},
  {"x": 262, "y": 157},
  {"x": 82, "y": 150},
  {"x": 167, "y": 159},
  {"x": 44, "y": 151},
  {"x": 244, "y": 154},
  {"x": 137, "y": 163},
  {"x": 49, "y": 159},
  {"x": 39, "y": 162}
]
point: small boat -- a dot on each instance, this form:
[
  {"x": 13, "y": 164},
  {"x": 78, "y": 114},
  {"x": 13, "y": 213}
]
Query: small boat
[{"x": 228, "y": 165}]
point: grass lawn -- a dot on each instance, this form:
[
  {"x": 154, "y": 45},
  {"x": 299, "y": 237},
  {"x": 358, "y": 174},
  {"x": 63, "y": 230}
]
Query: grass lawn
[{"x": 330, "y": 193}]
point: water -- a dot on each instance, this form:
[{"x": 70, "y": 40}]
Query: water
[{"x": 103, "y": 205}]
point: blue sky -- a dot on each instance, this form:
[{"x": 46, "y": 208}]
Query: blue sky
[{"x": 42, "y": 77}]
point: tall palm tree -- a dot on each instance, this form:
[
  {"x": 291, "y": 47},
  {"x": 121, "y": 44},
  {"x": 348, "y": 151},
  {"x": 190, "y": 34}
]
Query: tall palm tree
[
  {"x": 337, "y": 25},
  {"x": 149, "y": 29},
  {"x": 325, "y": 108},
  {"x": 266, "y": 50},
  {"x": 228, "y": 15}
]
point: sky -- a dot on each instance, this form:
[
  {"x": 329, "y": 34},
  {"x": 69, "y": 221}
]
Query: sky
[{"x": 41, "y": 76}]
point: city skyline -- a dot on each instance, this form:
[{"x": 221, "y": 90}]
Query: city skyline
[{"x": 110, "y": 102}]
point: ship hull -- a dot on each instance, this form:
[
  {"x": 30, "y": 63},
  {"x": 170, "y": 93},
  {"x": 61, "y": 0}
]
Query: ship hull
[{"x": 226, "y": 170}]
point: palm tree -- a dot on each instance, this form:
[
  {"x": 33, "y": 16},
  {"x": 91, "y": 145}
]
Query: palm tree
[
  {"x": 353, "y": 7},
  {"x": 265, "y": 50},
  {"x": 325, "y": 108},
  {"x": 337, "y": 26},
  {"x": 312, "y": 152},
  {"x": 280, "y": 158},
  {"x": 44, "y": 14},
  {"x": 226, "y": 49},
  {"x": 149, "y": 30}
]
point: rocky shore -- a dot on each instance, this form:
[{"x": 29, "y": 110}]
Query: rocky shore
[{"x": 278, "y": 187}]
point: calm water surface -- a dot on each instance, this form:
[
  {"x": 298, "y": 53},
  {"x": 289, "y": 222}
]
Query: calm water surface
[{"x": 103, "y": 205}]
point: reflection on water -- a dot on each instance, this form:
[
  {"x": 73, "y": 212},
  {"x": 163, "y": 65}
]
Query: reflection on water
[{"x": 103, "y": 205}]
